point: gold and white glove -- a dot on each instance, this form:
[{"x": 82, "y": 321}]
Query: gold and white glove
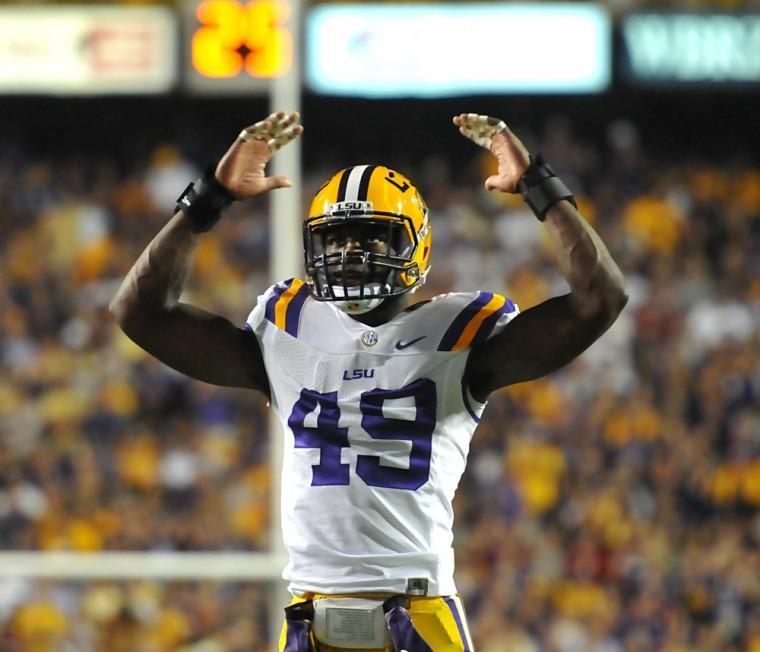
[
  {"x": 480, "y": 129},
  {"x": 277, "y": 130}
]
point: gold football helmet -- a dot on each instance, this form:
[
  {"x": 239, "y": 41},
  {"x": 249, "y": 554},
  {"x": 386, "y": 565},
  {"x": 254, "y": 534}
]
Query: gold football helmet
[{"x": 366, "y": 238}]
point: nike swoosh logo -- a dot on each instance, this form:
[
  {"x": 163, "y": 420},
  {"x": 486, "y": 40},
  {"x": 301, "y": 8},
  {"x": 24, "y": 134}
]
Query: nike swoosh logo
[{"x": 400, "y": 346}]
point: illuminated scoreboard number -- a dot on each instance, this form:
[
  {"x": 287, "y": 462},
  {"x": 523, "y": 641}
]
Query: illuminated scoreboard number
[{"x": 240, "y": 41}]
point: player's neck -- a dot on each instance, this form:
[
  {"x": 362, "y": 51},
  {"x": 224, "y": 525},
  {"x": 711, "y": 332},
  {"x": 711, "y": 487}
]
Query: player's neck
[{"x": 386, "y": 311}]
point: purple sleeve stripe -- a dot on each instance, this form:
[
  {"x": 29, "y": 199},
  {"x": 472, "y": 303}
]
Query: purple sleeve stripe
[
  {"x": 460, "y": 624},
  {"x": 457, "y": 327},
  {"x": 293, "y": 314},
  {"x": 278, "y": 290}
]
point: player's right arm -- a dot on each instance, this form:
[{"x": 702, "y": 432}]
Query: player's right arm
[{"x": 147, "y": 307}]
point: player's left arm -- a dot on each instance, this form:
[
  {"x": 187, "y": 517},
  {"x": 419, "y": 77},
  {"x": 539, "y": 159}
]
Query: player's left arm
[{"x": 549, "y": 335}]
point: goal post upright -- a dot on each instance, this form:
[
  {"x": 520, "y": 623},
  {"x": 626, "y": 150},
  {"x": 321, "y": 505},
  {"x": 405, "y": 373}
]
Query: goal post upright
[{"x": 286, "y": 261}]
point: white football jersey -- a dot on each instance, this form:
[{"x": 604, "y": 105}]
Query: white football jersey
[{"x": 377, "y": 429}]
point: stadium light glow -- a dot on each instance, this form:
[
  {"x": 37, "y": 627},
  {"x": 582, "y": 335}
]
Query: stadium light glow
[{"x": 450, "y": 49}]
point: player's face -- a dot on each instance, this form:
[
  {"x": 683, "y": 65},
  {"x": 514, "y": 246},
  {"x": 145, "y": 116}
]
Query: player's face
[
  {"x": 355, "y": 241},
  {"x": 351, "y": 238}
]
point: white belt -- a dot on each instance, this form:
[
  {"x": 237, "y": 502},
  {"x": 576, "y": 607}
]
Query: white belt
[{"x": 351, "y": 623}]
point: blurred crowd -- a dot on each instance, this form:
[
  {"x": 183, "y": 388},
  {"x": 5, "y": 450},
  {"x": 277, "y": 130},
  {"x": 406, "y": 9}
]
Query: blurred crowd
[
  {"x": 142, "y": 616},
  {"x": 611, "y": 507}
]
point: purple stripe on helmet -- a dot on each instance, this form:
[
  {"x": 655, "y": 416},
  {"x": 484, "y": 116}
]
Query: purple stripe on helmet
[
  {"x": 460, "y": 624},
  {"x": 457, "y": 327},
  {"x": 277, "y": 293},
  {"x": 403, "y": 633},
  {"x": 297, "y": 636},
  {"x": 293, "y": 314}
]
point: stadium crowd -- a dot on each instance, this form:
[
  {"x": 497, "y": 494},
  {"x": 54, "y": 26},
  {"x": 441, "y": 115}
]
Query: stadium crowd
[{"x": 611, "y": 507}]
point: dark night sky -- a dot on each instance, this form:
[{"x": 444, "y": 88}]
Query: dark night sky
[{"x": 714, "y": 125}]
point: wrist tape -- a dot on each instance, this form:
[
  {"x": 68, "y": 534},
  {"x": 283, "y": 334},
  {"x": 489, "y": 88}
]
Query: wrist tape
[
  {"x": 204, "y": 200},
  {"x": 541, "y": 188}
]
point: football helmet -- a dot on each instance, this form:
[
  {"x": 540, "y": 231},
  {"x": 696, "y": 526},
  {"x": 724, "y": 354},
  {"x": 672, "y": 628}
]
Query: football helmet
[{"x": 366, "y": 238}]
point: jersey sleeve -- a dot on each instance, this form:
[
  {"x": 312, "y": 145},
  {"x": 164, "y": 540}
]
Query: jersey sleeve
[
  {"x": 483, "y": 315},
  {"x": 281, "y": 305}
]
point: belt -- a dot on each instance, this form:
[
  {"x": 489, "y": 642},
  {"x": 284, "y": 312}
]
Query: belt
[{"x": 300, "y": 637}]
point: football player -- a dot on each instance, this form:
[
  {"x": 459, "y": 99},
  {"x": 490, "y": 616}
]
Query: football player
[{"x": 378, "y": 396}]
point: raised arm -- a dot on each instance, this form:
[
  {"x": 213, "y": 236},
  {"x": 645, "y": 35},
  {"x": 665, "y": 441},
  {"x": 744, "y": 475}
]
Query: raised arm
[
  {"x": 147, "y": 307},
  {"x": 549, "y": 335}
]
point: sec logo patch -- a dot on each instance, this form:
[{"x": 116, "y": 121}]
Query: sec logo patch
[{"x": 369, "y": 338}]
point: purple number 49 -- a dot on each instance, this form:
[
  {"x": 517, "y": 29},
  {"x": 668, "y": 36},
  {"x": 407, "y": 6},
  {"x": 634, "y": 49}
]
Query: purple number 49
[{"x": 330, "y": 439}]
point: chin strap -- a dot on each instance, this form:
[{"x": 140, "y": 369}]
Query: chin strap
[{"x": 359, "y": 306}]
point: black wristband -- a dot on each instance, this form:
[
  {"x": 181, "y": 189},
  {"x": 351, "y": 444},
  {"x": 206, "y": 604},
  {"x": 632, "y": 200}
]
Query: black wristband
[
  {"x": 204, "y": 200},
  {"x": 541, "y": 188}
]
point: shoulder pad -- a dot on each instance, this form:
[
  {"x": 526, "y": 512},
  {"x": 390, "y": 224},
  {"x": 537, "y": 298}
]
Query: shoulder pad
[
  {"x": 281, "y": 305},
  {"x": 475, "y": 317}
]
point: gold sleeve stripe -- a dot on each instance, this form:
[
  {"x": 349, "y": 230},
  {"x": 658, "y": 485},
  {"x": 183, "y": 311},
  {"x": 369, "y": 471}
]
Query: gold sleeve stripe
[
  {"x": 281, "y": 307},
  {"x": 471, "y": 330}
]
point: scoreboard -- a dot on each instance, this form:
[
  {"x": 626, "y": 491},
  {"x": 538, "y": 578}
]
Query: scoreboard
[
  {"x": 236, "y": 46},
  {"x": 208, "y": 47},
  {"x": 378, "y": 50}
]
